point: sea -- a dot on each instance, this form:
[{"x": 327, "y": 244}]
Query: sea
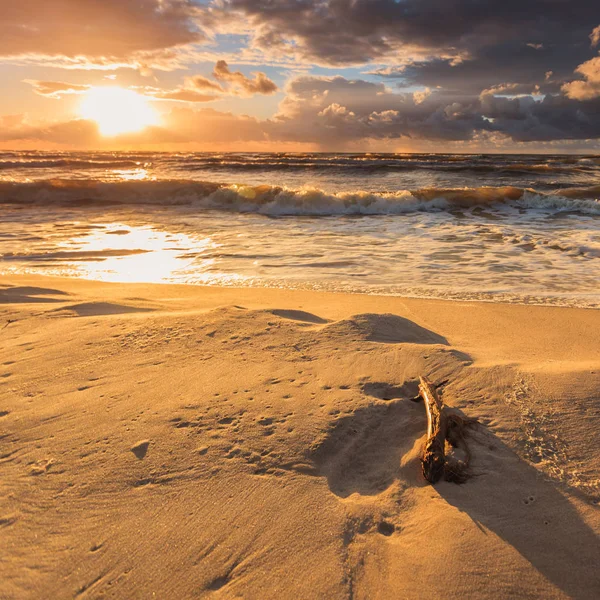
[{"x": 500, "y": 228}]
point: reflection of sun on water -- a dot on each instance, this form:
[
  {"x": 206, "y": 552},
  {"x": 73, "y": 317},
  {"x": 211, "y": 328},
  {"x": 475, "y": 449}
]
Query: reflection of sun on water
[
  {"x": 130, "y": 174},
  {"x": 136, "y": 254},
  {"x": 120, "y": 253},
  {"x": 117, "y": 110}
]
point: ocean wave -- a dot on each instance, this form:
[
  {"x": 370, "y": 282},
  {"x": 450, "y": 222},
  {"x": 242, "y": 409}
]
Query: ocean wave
[
  {"x": 440, "y": 169},
  {"x": 583, "y": 192},
  {"x": 367, "y": 165},
  {"x": 69, "y": 163},
  {"x": 277, "y": 200}
]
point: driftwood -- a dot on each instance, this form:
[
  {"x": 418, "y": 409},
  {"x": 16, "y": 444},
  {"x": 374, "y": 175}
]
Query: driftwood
[
  {"x": 441, "y": 426},
  {"x": 434, "y": 453}
]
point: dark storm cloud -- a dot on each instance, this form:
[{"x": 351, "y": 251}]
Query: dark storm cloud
[
  {"x": 341, "y": 32},
  {"x": 522, "y": 69},
  {"x": 504, "y": 63},
  {"x": 463, "y": 46},
  {"x": 556, "y": 117},
  {"x": 337, "y": 110}
]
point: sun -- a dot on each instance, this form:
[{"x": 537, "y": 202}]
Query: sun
[{"x": 117, "y": 110}]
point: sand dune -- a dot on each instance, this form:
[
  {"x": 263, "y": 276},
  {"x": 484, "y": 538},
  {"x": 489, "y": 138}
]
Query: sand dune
[{"x": 184, "y": 442}]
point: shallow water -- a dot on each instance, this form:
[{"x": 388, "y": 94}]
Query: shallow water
[{"x": 500, "y": 228}]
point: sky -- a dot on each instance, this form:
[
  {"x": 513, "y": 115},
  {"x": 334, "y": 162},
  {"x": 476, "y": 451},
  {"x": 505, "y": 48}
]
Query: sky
[{"x": 301, "y": 75}]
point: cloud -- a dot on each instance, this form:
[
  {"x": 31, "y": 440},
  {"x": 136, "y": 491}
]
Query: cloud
[
  {"x": 183, "y": 95},
  {"x": 198, "y": 82},
  {"x": 238, "y": 82},
  {"x": 106, "y": 32},
  {"x": 56, "y": 89},
  {"x": 336, "y": 111},
  {"x": 354, "y": 32},
  {"x": 461, "y": 46},
  {"x": 495, "y": 65},
  {"x": 588, "y": 89},
  {"x": 513, "y": 89},
  {"x": 556, "y": 117},
  {"x": 194, "y": 89},
  {"x": 201, "y": 89},
  {"x": 74, "y": 133},
  {"x": 421, "y": 96}
]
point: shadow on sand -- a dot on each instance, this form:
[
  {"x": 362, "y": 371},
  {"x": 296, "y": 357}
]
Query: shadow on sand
[
  {"x": 368, "y": 450},
  {"x": 29, "y": 295},
  {"x": 385, "y": 329},
  {"x": 510, "y": 497}
]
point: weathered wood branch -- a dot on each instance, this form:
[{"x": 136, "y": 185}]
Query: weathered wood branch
[
  {"x": 434, "y": 453},
  {"x": 443, "y": 425}
]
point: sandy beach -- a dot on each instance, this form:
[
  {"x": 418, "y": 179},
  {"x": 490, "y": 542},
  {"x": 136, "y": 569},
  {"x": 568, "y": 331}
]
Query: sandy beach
[
  {"x": 163, "y": 441},
  {"x": 299, "y": 300}
]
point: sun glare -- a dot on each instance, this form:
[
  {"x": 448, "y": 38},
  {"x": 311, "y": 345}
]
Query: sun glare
[{"x": 117, "y": 110}]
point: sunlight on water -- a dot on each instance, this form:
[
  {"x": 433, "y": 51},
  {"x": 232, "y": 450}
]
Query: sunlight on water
[
  {"x": 131, "y": 174},
  {"x": 145, "y": 254},
  {"x": 120, "y": 253}
]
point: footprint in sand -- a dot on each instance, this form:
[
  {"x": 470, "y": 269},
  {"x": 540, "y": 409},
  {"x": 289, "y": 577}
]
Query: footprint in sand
[
  {"x": 41, "y": 467},
  {"x": 365, "y": 451},
  {"x": 386, "y": 528}
]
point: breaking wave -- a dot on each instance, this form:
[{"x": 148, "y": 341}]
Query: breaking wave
[{"x": 277, "y": 200}]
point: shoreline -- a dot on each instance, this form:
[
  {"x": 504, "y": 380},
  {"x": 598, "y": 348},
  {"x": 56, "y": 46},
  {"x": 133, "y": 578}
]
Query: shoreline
[
  {"x": 520, "y": 299},
  {"x": 550, "y": 334},
  {"x": 191, "y": 441}
]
